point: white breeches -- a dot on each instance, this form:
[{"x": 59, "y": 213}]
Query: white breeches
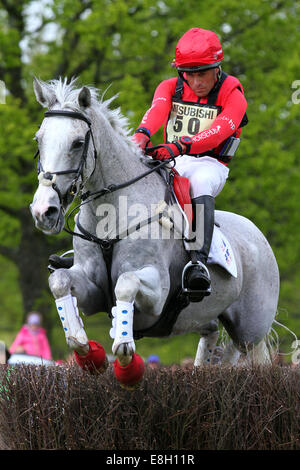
[{"x": 206, "y": 174}]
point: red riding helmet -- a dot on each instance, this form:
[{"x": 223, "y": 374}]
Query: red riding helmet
[{"x": 198, "y": 49}]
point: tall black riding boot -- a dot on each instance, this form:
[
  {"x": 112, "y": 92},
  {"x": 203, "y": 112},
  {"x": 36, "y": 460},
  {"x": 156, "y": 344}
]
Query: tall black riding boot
[{"x": 196, "y": 278}]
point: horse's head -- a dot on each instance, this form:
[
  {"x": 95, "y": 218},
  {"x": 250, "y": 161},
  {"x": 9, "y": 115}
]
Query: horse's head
[{"x": 66, "y": 155}]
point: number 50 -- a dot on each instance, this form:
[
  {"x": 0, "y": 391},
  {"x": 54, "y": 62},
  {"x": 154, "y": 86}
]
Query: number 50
[{"x": 193, "y": 126}]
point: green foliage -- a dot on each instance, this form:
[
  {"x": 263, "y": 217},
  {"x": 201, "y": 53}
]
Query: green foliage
[
  {"x": 11, "y": 301},
  {"x": 126, "y": 48}
]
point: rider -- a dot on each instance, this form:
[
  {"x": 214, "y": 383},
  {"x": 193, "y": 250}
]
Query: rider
[{"x": 202, "y": 110}]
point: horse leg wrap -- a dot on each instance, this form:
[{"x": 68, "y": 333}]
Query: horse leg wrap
[
  {"x": 122, "y": 325},
  {"x": 71, "y": 321},
  {"x": 95, "y": 361},
  {"x": 132, "y": 373}
]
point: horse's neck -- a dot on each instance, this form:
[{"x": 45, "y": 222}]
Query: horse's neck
[
  {"x": 119, "y": 161},
  {"x": 113, "y": 153}
]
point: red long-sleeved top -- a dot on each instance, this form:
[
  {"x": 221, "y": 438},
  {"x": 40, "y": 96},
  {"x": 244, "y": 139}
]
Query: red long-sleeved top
[{"x": 233, "y": 107}]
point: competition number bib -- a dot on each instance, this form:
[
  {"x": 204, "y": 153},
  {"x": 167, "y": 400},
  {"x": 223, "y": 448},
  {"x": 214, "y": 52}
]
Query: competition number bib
[{"x": 188, "y": 119}]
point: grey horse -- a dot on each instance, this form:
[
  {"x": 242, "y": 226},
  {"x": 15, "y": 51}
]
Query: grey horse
[{"x": 142, "y": 273}]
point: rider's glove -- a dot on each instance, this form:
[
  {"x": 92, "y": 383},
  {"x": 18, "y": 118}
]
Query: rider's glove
[
  {"x": 141, "y": 137},
  {"x": 167, "y": 151}
]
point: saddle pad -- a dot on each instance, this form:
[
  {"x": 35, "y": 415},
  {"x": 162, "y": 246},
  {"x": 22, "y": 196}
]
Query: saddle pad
[
  {"x": 221, "y": 252},
  {"x": 181, "y": 186}
]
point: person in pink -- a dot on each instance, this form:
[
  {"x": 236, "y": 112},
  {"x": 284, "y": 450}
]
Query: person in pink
[{"x": 32, "y": 338}]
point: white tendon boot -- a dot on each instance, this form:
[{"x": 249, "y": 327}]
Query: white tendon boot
[
  {"x": 72, "y": 324},
  {"x": 122, "y": 325}
]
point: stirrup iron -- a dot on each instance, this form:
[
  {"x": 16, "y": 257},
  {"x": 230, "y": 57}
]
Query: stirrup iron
[{"x": 195, "y": 295}]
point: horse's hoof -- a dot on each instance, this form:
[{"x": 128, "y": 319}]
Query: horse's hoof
[
  {"x": 123, "y": 349},
  {"x": 131, "y": 374},
  {"x": 75, "y": 345},
  {"x": 95, "y": 361}
]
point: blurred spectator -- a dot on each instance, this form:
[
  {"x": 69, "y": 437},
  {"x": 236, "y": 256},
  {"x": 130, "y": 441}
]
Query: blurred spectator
[
  {"x": 32, "y": 338},
  {"x": 153, "y": 361}
]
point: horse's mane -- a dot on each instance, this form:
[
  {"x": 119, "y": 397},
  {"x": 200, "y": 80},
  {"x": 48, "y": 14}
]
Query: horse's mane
[{"x": 67, "y": 97}]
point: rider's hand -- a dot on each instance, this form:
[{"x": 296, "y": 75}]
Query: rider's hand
[
  {"x": 141, "y": 138},
  {"x": 167, "y": 151}
]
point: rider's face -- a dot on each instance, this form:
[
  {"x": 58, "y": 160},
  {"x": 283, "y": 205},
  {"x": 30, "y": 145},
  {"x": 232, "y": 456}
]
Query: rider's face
[{"x": 202, "y": 82}]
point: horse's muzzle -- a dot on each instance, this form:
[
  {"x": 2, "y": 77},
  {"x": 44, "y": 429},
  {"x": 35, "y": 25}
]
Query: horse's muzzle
[
  {"x": 47, "y": 213},
  {"x": 51, "y": 222}
]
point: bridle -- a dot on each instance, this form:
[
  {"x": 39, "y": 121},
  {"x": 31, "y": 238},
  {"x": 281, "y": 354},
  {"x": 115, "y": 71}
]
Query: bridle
[{"x": 50, "y": 177}]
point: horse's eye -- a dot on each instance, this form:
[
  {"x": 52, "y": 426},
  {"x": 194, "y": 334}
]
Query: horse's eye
[{"x": 77, "y": 144}]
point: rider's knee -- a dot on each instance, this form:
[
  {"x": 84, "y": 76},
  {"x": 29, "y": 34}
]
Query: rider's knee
[{"x": 201, "y": 186}]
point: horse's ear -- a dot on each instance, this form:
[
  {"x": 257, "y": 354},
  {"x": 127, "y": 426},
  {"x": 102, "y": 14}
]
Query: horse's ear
[
  {"x": 84, "y": 97},
  {"x": 44, "y": 95}
]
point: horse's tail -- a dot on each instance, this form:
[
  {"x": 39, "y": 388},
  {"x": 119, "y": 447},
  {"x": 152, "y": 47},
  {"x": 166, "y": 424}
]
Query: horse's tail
[{"x": 273, "y": 342}]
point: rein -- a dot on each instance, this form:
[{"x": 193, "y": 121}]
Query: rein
[{"x": 87, "y": 197}]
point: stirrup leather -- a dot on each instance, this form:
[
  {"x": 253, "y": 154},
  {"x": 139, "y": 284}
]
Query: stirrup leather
[{"x": 195, "y": 294}]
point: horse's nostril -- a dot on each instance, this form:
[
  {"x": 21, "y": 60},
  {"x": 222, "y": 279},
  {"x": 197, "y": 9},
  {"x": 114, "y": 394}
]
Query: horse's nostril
[{"x": 51, "y": 211}]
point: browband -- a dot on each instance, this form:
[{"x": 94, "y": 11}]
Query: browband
[{"x": 73, "y": 114}]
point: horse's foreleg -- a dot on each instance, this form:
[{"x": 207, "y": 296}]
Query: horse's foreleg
[
  {"x": 61, "y": 284},
  {"x": 141, "y": 286},
  {"x": 72, "y": 323},
  {"x": 129, "y": 367},
  {"x": 126, "y": 289},
  {"x": 68, "y": 285}
]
